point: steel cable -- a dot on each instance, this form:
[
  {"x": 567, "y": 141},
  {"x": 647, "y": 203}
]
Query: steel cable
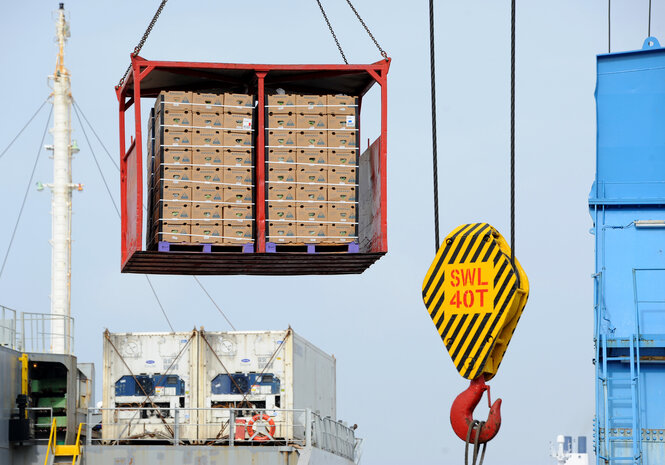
[
  {"x": 159, "y": 302},
  {"x": 214, "y": 303},
  {"x": 77, "y": 110},
  {"x": 23, "y": 128},
  {"x": 435, "y": 169},
  {"x": 475, "y": 426},
  {"x": 649, "y": 30},
  {"x": 94, "y": 157},
  {"x": 25, "y": 196},
  {"x": 147, "y": 396},
  {"x": 289, "y": 331},
  {"x": 228, "y": 373},
  {"x": 115, "y": 205},
  {"x": 609, "y": 26},
  {"x": 105, "y": 150},
  {"x": 108, "y": 154},
  {"x": 512, "y": 139},
  {"x": 325, "y": 16}
]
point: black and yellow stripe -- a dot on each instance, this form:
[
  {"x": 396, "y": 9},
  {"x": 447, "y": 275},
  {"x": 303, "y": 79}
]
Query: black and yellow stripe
[{"x": 476, "y": 340}]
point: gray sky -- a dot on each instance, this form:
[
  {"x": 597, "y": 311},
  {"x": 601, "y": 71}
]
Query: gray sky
[{"x": 395, "y": 378}]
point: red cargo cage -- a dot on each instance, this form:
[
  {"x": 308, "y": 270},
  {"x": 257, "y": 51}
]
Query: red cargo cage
[{"x": 147, "y": 78}]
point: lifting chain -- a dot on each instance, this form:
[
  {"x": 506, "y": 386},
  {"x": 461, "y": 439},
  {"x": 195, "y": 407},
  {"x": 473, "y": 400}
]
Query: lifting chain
[
  {"x": 381, "y": 51},
  {"x": 147, "y": 32},
  {"x": 339, "y": 47},
  {"x": 138, "y": 48}
]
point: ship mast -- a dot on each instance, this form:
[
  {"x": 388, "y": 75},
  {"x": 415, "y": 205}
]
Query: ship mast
[{"x": 61, "y": 198}]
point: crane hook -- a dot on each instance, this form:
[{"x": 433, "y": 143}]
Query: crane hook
[{"x": 461, "y": 413}]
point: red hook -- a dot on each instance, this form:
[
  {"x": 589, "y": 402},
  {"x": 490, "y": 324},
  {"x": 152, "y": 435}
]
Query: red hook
[{"x": 461, "y": 412}]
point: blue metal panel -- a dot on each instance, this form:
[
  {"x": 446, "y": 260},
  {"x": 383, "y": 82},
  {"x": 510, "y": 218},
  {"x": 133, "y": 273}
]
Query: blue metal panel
[
  {"x": 627, "y": 196},
  {"x": 630, "y": 104},
  {"x": 625, "y": 248}
]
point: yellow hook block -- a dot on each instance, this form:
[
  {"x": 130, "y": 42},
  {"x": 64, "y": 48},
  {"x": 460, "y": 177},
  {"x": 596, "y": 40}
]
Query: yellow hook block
[{"x": 475, "y": 297}]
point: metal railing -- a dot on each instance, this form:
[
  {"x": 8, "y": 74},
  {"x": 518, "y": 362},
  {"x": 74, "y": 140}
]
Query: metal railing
[
  {"x": 43, "y": 422},
  {"x": 35, "y": 334},
  {"x": 7, "y": 327},
  {"x": 46, "y": 424},
  {"x": 333, "y": 436},
  {"x": 220, "y": 426},
  {"x": 32, "y": 332}
]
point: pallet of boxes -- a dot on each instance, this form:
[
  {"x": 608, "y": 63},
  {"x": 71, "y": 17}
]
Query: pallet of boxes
[
  {"x": 201, "y": 163},
  {"x": 312, "y": 168}
]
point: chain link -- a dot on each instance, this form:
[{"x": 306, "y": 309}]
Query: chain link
[
  {"x": 339, "y": 47},
  {"x": 147, "y": 32},
  {"x": 138, "y": 48},
  {"x": 383, "y": 53}
]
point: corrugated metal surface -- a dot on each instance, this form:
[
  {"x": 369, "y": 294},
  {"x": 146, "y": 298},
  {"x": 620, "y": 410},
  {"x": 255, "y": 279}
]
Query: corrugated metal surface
[{"x": 314, "y": 378}]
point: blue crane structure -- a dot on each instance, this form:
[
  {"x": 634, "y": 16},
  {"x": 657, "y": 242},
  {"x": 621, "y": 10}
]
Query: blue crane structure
[{"x": 627, "y": 205}]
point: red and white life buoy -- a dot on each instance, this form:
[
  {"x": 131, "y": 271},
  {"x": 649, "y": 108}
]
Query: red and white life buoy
[{"x": 258, "y": 436}]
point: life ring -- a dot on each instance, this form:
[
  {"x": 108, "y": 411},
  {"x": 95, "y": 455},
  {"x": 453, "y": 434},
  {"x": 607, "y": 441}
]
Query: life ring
[{"x": 261, "y": 436}]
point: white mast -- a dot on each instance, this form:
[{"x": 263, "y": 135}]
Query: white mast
[{"x": 61, "y": 203}]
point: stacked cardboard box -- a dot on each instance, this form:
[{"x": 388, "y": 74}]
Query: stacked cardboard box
[
  {"x": 170, "y": 189},
  {"x": 312, "y": 166},
  {"x": 202, "y": 169}
]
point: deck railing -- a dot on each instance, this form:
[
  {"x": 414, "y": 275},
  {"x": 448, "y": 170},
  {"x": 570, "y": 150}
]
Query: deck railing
[
  {"x": 220, "y": 426},
  {"x": 7, "y": 327},
  {"x": 32, "y": 332}
]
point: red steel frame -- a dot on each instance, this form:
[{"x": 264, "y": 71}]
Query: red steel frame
[{"x": 131, "y": 165}]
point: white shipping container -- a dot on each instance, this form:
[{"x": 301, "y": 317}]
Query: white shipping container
[
  {"x": 246, "y": 374},
  {"x": 285, "y": 372},
  {"x": 163, "y": 365}
]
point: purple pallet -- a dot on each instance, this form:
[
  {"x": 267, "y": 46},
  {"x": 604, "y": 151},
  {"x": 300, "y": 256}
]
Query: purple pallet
[
  {"x": 352, "y": 247},
  {"x": 164, "y": 246}
]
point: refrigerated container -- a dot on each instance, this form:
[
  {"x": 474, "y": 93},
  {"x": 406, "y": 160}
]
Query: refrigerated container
[
  {"x": 147, "y": 376},
  {"x": 278, "y": 373}
]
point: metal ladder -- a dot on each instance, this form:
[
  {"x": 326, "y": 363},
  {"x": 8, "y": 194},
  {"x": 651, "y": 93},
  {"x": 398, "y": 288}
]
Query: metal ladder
[
  {"x": 619, "y": 393},
  {"x": 63, "y": 454}
]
